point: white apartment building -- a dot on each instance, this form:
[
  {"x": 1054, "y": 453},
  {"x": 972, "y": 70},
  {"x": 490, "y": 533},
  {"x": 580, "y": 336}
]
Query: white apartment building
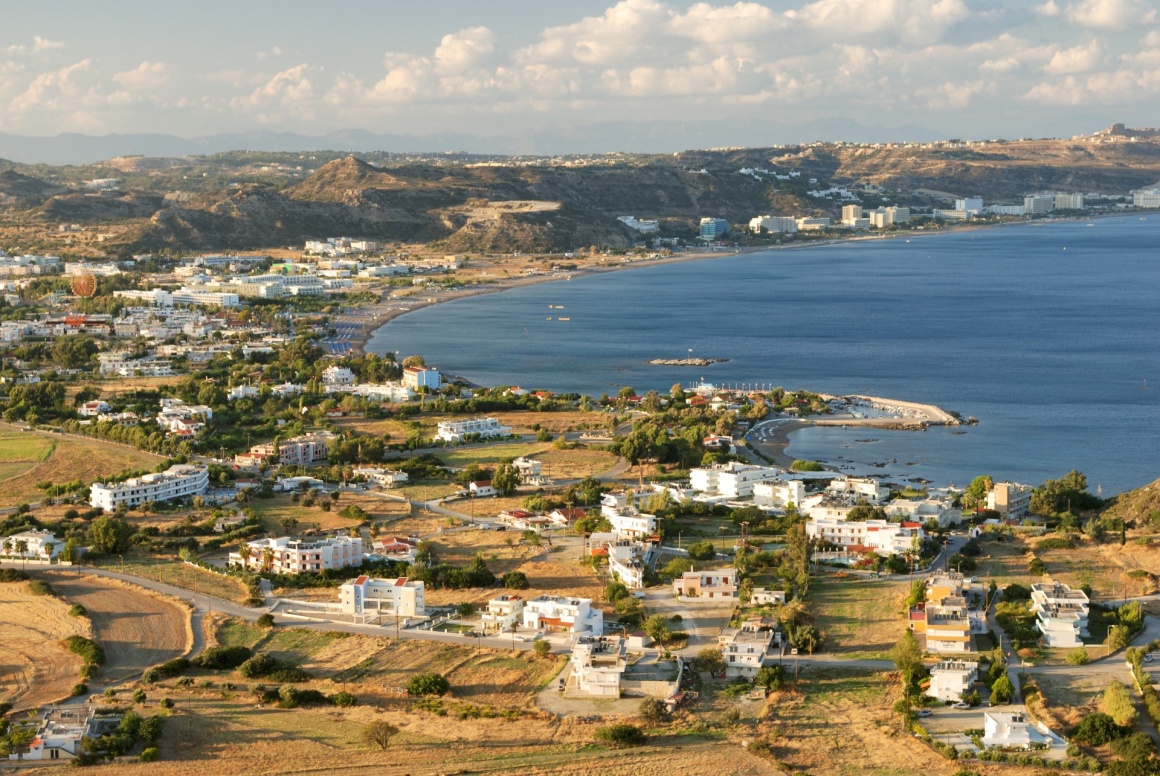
[
  {"x": 881, "y": 536},
  {"x": 748, "y": 649},
  {"x": 365, "y": 595},
  {"x": 860, "y": 487},
  {"x": 773, "y": 224},
  {"x": 453, "y": 431},
  {"x": 627, "y": 563},
  {"x": 950, "y": 215},
  {"x": 778, "y": 495},
  {"x": 812, "y": 224},
  {"x": 575, "y": 615},
  {"x": 284, "y": 555},
  {"x": 208, "y": 298},
  {"x": 61, "y": 732},
  {"x": 972, "y": 205},
  {"x": 416, "y": 377},
  {"x": 710, "y": 583},
  {"x": 1069, "y": 201},
  {"x": 93, "y": 408},
  {"x": 503, "y": 614},
  {"x": 627, "y": 521},
  {"x": 37, "y": 541},
  {"x": 243, "y": 392},
  {"x": 647, "y": 226},
  {"x": 181, "y": 481},
  {"x": 597, "y": 666},
  {"x": 1061, "y": 614},
  {"x": 950, "y": 680},
  {"x": 731, "y": 480},
  {"x": 1040, "y": 203},
  {"x": 1006, "y": 210},
  {"x": 1010, "y": 499},
  {"x": 922, "y": 510},
  {"x": 337, "y": 376},
  {"x": 1146, "y": 198},
  {"x": 380, "y": 392},
  {"x": 529, "y": 470}
]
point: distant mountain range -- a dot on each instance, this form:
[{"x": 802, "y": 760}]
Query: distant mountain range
[{"x": 625, "y": 136}]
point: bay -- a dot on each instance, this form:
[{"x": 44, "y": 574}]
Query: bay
[{"x": 1048, "y": 333}]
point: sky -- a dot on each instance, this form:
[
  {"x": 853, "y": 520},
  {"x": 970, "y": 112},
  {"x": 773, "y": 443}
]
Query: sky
[{"x": 970, "y": 68}]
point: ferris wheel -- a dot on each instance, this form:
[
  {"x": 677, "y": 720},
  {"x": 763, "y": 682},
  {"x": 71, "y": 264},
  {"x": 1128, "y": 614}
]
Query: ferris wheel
[{"x": 83, "y": 283}]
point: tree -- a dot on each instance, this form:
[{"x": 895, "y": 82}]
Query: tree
[
  {"x": 109, "y": 535},
  {"x": 1096, "y": 730},
  {"x": 657, "y": 628},
  {"x": 428, "y": 684},
  {"x": 702, "y": 551},
  {"x": 379, "y": 733},
  {"x": 515, "y": 580},
  {"x": 1118, "y": 705},
  {"x": 771, "y": 677},
  {"x": 506, "y": 479},
  {"x": 620, "y": 736},
  {"x": 979, "y": 487},
  {"x": 541, "y": 648},
  {"x": 907, "y": 657},
  {"x": 653, "y": 711},
  {"x": 710, "y": 659},
  {"x": 1002, "y": 690}
]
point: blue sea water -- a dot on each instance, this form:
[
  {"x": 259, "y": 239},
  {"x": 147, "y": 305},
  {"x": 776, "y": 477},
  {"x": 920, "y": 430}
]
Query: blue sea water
[{"x": 1049, "y": 334}]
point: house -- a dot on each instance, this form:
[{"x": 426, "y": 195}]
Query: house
[
  {"x": 763, "y": 597},
  {"x": 243, "y": 392},
  {"x": 575, "y": 615},
  {"x": 396, "y": 548},
  {"x": 950, "y": 680},
  {"x": 529, "y": 470},
  {"x": 626, "y": 561},
  {"x": 860, "y": 487},
  {"x": 337, "y": 377},
  {"x": 749, "y": 648},
  {"x": 939, "y": 510},
  {"x": 366, "y": 596},
  {"x": 296, "y": 556},
  {"x": 62, "y": 730},
  {"x": 1010, "y": 730},
  {"x": 454, "y": 431},
  {"x": 1061, "y": 614},
  {"x": 598, "y": 662},
  {"x": 879, "y": 536},
  {"x": 503, "y": 614},
  {"x": 482, "y": 489},
  {"x": 298, "y": 451},
  {"x": 627, "y": 521},
  {"x": 711, "y": 583},
  {"x": 383, "y": 478},
  {"x": 37, "y": 542},
  {"x": 566, "y": 517},
  {"x": 93, "y": 408},
  {"x": 731, "y": 480}
]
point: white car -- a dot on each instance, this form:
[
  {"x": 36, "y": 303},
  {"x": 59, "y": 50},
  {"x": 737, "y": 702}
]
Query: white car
[
  {"x": 925, "y": 712},
  {"x": 961, "y": 705}
]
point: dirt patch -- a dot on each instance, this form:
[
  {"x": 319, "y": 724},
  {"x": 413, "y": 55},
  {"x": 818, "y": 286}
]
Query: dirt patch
[
  {"x": 35, "y": 668},
  {"x": 137, "y": 628},
  {"x": 859, "y": 618}
]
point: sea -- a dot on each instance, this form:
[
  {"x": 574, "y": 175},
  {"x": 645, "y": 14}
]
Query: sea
[{"x": 1047, "y": 333}]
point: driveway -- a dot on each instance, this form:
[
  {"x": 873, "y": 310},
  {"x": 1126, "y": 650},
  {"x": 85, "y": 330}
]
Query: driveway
[{"x": 702, "y": 620}]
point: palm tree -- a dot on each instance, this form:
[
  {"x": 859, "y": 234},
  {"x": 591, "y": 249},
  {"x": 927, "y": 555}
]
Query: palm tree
[
  {"x": 268, "y": 558},
  {"x": 7, "y": 546},
  {"x": 245, "y": 551},
  {"x": 21, "y": 548},
  {"x": 47, "y": 549}
]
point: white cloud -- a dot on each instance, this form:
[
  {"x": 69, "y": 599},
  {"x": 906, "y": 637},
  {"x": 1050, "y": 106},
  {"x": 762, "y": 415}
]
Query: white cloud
[
  {"x": 463, "y": 50},
  {"x": 47, "y": 88},
  {"x": 39, "y": 46},
  {"x": 1048, "y": 9},
  {"x": 1111, "y": 14},
  {"x": 913, "y": 21},
  {"x": 289, "y": 93},
  {"x": 147, "y": 75},
  {"x": 1078, "y": 59}
]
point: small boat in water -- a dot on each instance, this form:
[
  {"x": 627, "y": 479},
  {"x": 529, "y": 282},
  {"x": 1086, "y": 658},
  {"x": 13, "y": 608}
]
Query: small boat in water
[{"x": 563, "y": 319}]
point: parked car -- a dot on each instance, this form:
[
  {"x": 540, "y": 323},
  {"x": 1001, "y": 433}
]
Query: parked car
[
  {"x": 1148, "y": 658},
  {"x": 961, "y": 705},
  {"x": 925, "y": 712}
]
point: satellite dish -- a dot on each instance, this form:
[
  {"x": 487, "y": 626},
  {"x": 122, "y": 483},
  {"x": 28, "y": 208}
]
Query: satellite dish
[{"x": 83, "y": 283}]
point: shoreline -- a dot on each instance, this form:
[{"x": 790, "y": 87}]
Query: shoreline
[{"x": 386, "y": 310}]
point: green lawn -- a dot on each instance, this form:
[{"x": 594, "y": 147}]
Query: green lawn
[
  {"x": 21, "y": 446},
  {"x": 489, "y": 455}
]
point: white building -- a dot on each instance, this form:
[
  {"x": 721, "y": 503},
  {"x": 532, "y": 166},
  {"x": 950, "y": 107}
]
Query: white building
[
  {"x": 950, "y": 680},
  {"x": 181, "y": 481},
  {"x": 923, "y": 510},
  {"x": 400, "y": 597},
  {"x": 1061, "y": 614},
  {"x": 1040, "y": 203},
  {"x": 731, "y": 480},
  {"x": 529, "y": 470},
  {"x": 1010, "y": 730},
  {"x": 778, "y": 495},
  {"x": 503, "y": 614},
  {"x": 627, "y": 521},
  {"x": 773, "y": 224},
  {"x": 1146, "y": 198},
  {"x": 61, "y": 731},
  {"x": 37, "y": 541},
  {"x": 1006, "y": 210},
  {"x": 813, "y": 224},
  {"x": 417, "y": 377},
  {"x": 881, "y": 536},
  {"x": 453, "y": 431},
  {"x": 93, "y": 408},
  {"x": 383, "y": 478},
  {"x": 748, "y": 649},
  {"x": 642, "y": 226},
  {"x": 597, "y": 665},
  {"x": 297, "y": 451},
  {"x": 337, "y": 376},
  {"x": 296, "y": 556},
  {"x": 243, "y": 392},
  {"x": 626, "y": 561},
  {"x": 1069, "y": 201},
  {"x": 972, "y": 205},
  {"x": 860, "y": 487},
  {"x": 761, "y": 596},
  {"x": 575, "y": 615}
]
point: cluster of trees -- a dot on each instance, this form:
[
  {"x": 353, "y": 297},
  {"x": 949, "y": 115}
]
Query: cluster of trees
[
  {"x": 437, "y": 575},
  {"x": 1067, "y": 494}
]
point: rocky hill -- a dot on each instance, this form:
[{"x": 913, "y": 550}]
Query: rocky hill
[
  {"x": 461, "y": 203},
  {"x": 1142, "y": 504}
]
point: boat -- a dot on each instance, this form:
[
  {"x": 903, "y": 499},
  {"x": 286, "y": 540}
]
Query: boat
[
  {"x": 563, "y": 319},
  {"x": 549, "y": 317}
]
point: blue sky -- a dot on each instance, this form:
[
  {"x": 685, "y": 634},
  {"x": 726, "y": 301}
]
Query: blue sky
[{"x": 976, "y": 68}]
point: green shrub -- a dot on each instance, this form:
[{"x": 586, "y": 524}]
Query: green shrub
[
  {"x": 149, "y": 754},
  {"x": 76, "y": 610},
  {"x": 13, "y": 575},
  {"x": 620, "y": 736},
  {"x": 39, "y": 587},
  {"x": 653, "y": 711},
  {"x": 223, "y": 658},
  {"x": 80, "y": 688},
  {"x": 1057, "y": 543},
  {"x": 702, "y": 551},
  {"x": 1096, "y": 730},
  {"x": 428, "y": 684},
  {"x": 1078, "y": 657},
  {"x": 167, "y": 703},
  {"x": 343, "y": 699},
  {"x": 139, "y": 697},
  {"x": 541, "y": 648},
  {"x": 266, "y": 621},
  {"x": 150, "y": 676},
  {"x": 90, "y": 652},
  {"x": 1137, "y": 746}
]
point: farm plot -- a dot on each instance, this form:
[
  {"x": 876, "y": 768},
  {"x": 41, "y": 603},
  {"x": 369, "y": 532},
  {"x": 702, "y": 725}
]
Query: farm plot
[
  {"x": 35, "y": 668},
  {"x": 137, "y": 629},
  {"x": 860, "y": 619}
]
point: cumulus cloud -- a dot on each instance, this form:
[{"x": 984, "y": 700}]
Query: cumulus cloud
[
  {"x": 1111, "y": 14},
  {"x": 39, "y": 45},
  {"x": 1048, "y": 9},
  {"x": 1078, "y": 59},
  {"x": 287, "y": 93},
  {"x": 47, "y": 89},
  {"x": 147, "y": 75},
  {"x": 463, "y": 50}
]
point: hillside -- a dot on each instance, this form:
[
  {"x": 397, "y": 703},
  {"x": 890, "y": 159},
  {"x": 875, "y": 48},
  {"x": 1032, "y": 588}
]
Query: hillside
[
  {"x": 254, "y": 200},
  {"x": 1142, "y": 504}
]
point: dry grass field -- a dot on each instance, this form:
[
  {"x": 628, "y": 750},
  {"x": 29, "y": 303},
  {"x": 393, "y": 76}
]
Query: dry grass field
[
  {"x": 1106, "y": 567},
  {"x": 35, "y": 668},
  {"x": 175, "y": 572},
  {"x": 274, "y": 510},
  {"x": 136, "y": 627},
  {"x": 29, "y": 458},
  {"x": 860, "y": 618}
]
